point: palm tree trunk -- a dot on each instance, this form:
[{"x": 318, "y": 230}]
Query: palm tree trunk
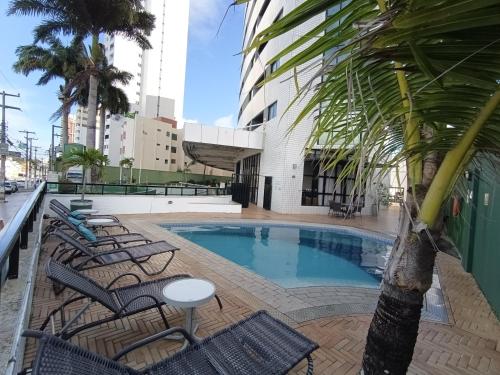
[
  {"x": 408, "y": 275},
  {"x": 84, "y": 183},
  {"x": 64, "y": 122},
  {"x": 92, "y": 100},
  {"x": 102, "y": 125}
]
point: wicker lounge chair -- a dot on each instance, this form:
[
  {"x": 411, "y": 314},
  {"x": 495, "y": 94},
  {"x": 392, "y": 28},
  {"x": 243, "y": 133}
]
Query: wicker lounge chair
[
  {"x": 121, "y": 302},
  {"x": 64, "y": 223},
  {"x": 82, "y": 256},
  {"x": 257, "y": 345},
  {"x": 56, "y": 203},
  {"x": 63, "y": 214}
]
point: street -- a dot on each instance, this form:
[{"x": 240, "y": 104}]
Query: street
[{"x": 14, "y": 202}]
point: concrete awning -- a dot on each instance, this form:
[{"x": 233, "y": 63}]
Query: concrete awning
[{"x": 220, "y": 147}]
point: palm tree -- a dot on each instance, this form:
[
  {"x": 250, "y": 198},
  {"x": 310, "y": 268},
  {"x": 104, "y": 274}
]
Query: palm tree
[
  {"x": 128, "y": 163},
  {"x": 89, "y": 18},
  {"x": 408, "y": 80},
  {"x": 110, "y": 97},
  {"x": 55, "y": 61},
  {"x": 88, "y": 159}
]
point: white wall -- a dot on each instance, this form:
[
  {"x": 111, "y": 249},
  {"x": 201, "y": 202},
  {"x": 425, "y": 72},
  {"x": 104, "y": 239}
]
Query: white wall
[
  {"x": 144, "y": 204},
  {"x": 282, "y": 156}
]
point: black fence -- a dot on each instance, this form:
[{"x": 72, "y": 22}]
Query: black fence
[
  {"x": 116, "y": 189},
  {"x": 15, "y": 235}
]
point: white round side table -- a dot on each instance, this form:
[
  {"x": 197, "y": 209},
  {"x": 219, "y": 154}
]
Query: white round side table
[
  {"x": 99, "y": 224},
  {"x": 189, "y": 294},
  {"x": 87, "y": 211}
]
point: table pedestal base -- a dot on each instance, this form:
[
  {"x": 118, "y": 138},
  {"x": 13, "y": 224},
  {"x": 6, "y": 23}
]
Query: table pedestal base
[{"x": 191, "y": 326}]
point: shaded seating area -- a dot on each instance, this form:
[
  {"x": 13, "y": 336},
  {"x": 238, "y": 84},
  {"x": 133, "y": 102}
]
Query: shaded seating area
[{"x": 257, "y": 345}]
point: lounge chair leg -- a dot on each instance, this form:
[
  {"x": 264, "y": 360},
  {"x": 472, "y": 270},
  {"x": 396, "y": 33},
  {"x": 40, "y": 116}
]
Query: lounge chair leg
[
  {"x": 310, "y": 365},
  {"x": 219, "y": 302}
]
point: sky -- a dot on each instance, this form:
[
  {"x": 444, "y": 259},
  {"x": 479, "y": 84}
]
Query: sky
[{"x": 212, "y": 71}]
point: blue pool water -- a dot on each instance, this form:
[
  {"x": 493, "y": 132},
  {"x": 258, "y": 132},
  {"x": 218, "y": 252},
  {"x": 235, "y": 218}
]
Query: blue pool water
[{"x": 295, "y": 256}]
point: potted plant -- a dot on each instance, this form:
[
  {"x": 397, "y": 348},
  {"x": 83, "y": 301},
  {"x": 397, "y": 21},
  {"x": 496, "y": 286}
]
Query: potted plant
[{"x": 87, "y": 159}]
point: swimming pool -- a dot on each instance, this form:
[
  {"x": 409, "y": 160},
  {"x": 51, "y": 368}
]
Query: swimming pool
[{"x": 295, "y": 256}]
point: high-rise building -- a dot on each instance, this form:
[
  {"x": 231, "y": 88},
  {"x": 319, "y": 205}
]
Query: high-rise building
[
  {"x": 160, "y": 71},
  {"x": 267, "y": 158}
]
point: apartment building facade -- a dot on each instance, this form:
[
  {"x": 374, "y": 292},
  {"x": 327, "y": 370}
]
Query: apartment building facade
[
  {"x": 273, "y": 163},
  {"x": 158, "y": 72}
]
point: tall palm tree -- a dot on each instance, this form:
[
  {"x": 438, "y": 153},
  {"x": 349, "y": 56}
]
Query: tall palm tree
[
  {"x": 89, "y": 18},
  {"x": 407, "y": 80},
  {"x": 109, "y": 95},
  {"x": 54, "y": 61}
]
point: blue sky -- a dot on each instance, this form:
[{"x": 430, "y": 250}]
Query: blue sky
[{"x": 212, "y": 72}]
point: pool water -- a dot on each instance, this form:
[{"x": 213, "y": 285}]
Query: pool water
[{"x": 295, "y": 256}]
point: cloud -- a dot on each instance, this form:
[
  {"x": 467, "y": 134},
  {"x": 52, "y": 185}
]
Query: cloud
[
  {"x": 225, "y": 121},
  {"x": 205, "y": 17}
]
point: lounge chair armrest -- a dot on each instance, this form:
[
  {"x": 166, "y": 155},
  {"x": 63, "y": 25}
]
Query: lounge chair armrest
[
  {"x": 103, "y": 241},
  {"x": 157, "y": 303},
  {"x": 154, "y": 338},
  {"x": 32, "y": 333},
  {"x": 123, "y": 275}
]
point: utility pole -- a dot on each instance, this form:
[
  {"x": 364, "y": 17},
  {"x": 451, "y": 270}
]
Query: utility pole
[
  {"x": 36, "y": 161},
  {"x": 31, "y": 155},
  {"x": 53, "y": 152},
  {"x": 4, "y": 147},
  {"x": 27, "y": 156}
]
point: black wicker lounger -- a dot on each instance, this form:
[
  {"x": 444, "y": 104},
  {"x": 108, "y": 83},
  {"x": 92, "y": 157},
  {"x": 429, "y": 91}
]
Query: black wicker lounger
[
  {"x": 82, "y": 256},
  {"x": 122, "y": 302},
  {"x": 258, "y": 345},
  {"x": 64, "y": 215},
  {"x": 64, "y": 224},
  {"x": 55, "y": 202}
]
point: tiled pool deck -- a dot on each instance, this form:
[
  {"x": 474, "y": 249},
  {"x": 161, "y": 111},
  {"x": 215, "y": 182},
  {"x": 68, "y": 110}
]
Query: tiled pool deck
[{"x": 336, "y": 317}]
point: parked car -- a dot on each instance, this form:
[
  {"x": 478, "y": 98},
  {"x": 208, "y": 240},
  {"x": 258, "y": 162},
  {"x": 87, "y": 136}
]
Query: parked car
[
  {"x": 21, "y": 184},
  {"x": 15, "y": 188},
  {"x": 7, "y": 187}
]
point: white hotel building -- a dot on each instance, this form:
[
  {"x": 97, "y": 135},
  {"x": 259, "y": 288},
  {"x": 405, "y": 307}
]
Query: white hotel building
[{"x": 271, "y": 160}]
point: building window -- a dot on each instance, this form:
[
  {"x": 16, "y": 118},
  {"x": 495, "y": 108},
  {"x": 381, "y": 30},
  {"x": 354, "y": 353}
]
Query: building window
[
  {"x": 174, "y": 150},
  {"x": 174, "y": 137},
  {"x": 274, "y": 66},
  {"x": 167, "y": 147},
  {"x": 168, "y": 134},
  {"x": 272, "y": 111},
  {"x": 106, "y": 136},
  {"x": 158, "y": 130},
  {"x": 158, "y": 144},
  {"x": 172, "y": 161},
  {"x": 157, "y": 158},
  {"x": 166, "y": 161}
]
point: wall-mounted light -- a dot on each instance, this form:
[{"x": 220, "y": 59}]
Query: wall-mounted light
[{"x": 467, "y": 175}]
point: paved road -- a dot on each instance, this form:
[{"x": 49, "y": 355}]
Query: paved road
[{"x": 13, "y": 204}]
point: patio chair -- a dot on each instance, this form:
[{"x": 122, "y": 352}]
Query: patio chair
[
  {"x": 336, "y": 208},
  {"x": 257, "y": 345},
  {"x": 82, "y": 256},
  {"x": 61, "y": 206},
  {"x": 62, "y": 214},
  {"x": 64, "y": 223},
  {"x": 121, "y": 302}
]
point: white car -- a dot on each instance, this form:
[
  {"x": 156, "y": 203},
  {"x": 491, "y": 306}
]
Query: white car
[{"x": 7, "y": 186}]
